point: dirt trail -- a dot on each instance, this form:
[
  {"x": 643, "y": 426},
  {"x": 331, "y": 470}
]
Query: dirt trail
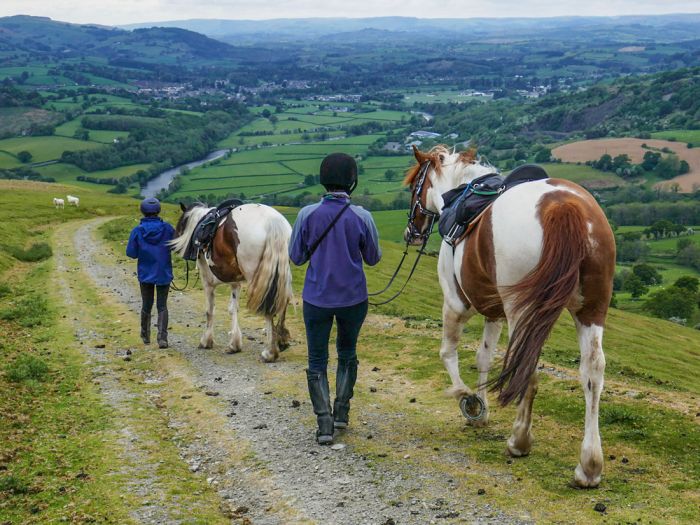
[{"x": 254, "y": 446}]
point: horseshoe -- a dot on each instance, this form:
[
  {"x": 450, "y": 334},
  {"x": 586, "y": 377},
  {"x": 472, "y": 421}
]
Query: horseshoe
[{"x": 469, "y": 404}]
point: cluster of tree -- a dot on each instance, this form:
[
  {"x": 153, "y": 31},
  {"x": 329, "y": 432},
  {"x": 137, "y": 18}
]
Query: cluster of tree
[
  {"x": 637, "y": 280},
  {"x": 23, "y": 173},
  {"x": 177, "y": 139},
  {"x": 688, "y": 253},
  {"x": 677, "y": 302},
  {"x": 686, "y": 211}
]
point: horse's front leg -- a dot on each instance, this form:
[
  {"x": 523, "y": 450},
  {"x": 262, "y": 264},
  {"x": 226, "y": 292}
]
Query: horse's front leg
[
  {"x": 236, "y": 343},
  {"x": 452, "y": 324},
  {"x": 484, "y": 359},
  {"x": 270, "y": 352},
  {"x": 207, "y": 340},
  {"x": 592, "y": 369}
]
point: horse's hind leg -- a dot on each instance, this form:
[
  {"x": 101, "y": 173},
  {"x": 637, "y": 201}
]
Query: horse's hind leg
[
  {"x": 592, "y": 369},
  {"x": 270, "y": 352},
  {"x": 236, "y": 343},
  {"x": 207, "y": 340},
  {"x": 520, "y": 440},
  {"x": 484, "y": 359},
  {"x": 282, "y": 332}
]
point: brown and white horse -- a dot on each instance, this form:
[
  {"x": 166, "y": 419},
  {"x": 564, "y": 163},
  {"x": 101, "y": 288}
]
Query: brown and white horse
[
  {"x": 541, "y": 247},
  {"x": 250, "y": 245}
]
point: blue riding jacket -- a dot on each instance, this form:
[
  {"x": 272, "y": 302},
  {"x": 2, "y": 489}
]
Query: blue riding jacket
[{"x": 147, "y": 243}]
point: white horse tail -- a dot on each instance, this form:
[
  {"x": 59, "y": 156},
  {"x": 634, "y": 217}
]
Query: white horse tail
[
  {"x": 270, "y": 290},
  {"x": 539, "y": 298}
]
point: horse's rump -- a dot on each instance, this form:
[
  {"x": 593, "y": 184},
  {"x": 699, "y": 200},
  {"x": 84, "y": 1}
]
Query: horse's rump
[{"x": 538, "y": 299}]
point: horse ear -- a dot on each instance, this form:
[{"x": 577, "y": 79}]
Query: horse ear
[
  {"x": 419, "y": 155},
  {"x": 183, "y": 207}
]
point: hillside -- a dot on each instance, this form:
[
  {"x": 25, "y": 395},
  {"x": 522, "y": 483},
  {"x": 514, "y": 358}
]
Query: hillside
[{"x": 38, "y": 37}]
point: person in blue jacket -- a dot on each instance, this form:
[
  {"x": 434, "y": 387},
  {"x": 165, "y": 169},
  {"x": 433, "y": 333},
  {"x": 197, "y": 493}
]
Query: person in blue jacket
[
  {"x": 148, "y": 243},
  {"x": 335, "y": 237}
]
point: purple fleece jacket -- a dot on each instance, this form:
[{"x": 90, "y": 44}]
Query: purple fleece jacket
[{"x": 335, "y": 277}]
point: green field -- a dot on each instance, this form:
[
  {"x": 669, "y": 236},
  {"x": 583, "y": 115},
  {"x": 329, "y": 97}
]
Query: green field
[
  {"x": 68, "y": 174},
  {"x": 45, "y": 148},
  {"x": 584, "y": 175},
  {"x": 103, "y": 136},
  {"x": 681, "y": 135}
]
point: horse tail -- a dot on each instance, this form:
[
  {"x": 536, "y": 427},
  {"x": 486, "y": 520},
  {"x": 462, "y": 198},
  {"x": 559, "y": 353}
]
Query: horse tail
[
  {"x": 539, "y": 298},
  {"x": 270, "y": 290}
]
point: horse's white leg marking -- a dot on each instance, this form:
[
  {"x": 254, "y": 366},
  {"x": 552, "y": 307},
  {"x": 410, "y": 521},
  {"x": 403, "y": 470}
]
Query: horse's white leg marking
[
  {"x": 484, "y": 358},
  {"x": 592, "y": 369},
  {"x": 207, "y": 340},
  {"x": 452, "y": 323},
  {"x": 270, "y": 352},
  {"x": 520, "y": 441},
  {"x": 236, "y": 342}
]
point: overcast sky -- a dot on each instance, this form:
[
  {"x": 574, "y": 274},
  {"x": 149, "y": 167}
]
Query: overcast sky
[{"x": 115, "y": 12}]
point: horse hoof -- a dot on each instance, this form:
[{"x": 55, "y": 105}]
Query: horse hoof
[
  {"x": 516, "y": 452},
  {"x": 473, "y": 407},
  {"x": 232, "y": 350},
  {"x": 267, "y": 357},
  {"x": 283, "y": 346},
  {"x": 583, "y": 481}
]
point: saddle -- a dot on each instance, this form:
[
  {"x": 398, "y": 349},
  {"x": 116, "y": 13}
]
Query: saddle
[
  {"x": 205, "y": 230},
  {"x": 465, "y": 204}
]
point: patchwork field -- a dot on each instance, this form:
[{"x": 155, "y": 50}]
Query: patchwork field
[{"x": 586, "y": 150}]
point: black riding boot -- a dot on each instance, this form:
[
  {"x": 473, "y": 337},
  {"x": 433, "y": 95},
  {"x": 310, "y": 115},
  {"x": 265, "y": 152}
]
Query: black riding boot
[
  {"x": 321, "y": 401},
  {"x": 145, "y": 327},
  {"x": 163, "y": 329},
  {"x": 344, "y": 384}
]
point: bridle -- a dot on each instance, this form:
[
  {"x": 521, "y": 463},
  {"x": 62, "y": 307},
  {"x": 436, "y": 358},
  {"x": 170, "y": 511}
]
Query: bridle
[
  {"x": 414, "y": 233},
  {"x": 418, "y": 207}
]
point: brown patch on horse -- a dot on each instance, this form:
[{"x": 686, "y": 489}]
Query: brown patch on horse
[
  {"x": 543, "y": 293},
  {"x": 435, "y": 156},
  {"x": 598, "y": 266},
  {"x": 478, "y": 271},
  {"x": 223, "y": 254},
  {"x": 468, "y": 156}
]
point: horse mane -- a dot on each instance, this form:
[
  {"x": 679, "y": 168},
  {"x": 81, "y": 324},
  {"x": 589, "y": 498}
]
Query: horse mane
[
  {"x": 193, "y": 215},
  {"x": 436, "y": 155}
]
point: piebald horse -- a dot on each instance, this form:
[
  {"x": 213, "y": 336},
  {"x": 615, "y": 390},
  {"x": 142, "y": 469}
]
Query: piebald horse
[
  {"x": 250, "y": 245},
  {"x": 541, "y": 247}
]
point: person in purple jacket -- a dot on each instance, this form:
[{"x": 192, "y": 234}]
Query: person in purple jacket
[
  {"x": 148, "y": 244},
  {"x": 335, "y": 237}
]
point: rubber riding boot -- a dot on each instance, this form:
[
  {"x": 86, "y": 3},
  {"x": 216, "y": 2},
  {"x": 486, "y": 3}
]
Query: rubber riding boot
[
  {"x": 321, "y": 401},
  {"x": 145, "y": 327},
  {"x": 163, "y": 329},
  {"x": 344, "y": 384}
]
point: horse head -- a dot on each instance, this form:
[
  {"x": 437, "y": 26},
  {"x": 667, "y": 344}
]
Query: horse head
[{"x": 435, "y": 173}]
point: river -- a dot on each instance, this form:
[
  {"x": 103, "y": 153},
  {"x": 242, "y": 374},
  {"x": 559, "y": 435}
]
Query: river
[{"x": 163, "y": 180}]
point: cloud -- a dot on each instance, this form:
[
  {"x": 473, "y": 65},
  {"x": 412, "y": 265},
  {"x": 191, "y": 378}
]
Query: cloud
[{"x": 115, "y": 12}]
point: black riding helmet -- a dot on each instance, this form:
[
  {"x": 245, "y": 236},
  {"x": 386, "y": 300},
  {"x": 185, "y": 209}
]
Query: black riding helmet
[{"x": 339, "y": 173}]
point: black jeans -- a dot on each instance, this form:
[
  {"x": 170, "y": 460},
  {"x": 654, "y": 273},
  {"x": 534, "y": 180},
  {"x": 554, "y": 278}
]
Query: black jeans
[
  {"x": 147, "y": 297},
  {"x": 319, "y": 321}
]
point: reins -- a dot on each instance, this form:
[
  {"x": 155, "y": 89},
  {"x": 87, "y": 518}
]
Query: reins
[
  {"x": 425, "y": 235},
  {"x": 187, "y": 280}
]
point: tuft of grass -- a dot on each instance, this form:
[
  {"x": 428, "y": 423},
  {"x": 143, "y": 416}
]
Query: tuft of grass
[
  {"x": 619, "y": 415},
  {"x": 26, "y": 368},
  {"x": 5, "y": 290},
  {"x": 29, "y": 311},
  {"x": 36, "y": 252},
  {"x": 13, "y": 485}
]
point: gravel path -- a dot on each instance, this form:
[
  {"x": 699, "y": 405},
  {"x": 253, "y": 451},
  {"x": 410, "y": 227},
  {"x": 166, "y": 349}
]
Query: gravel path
[{"x": 292, "y": 479}]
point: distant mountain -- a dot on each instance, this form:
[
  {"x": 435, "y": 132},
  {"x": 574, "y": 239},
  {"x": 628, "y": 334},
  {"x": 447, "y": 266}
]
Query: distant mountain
[
  {"x": 659, "y": 28},
  {"x": 38, "y": 36}
]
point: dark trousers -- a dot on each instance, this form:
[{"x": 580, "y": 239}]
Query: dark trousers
[
  {"x": 319, "y": 321},
  {"x": 147, "y": 292}
]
